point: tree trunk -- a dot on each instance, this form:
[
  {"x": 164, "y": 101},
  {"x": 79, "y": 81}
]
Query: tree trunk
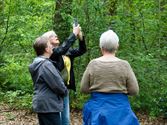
[{"x": 61, "y": 25}]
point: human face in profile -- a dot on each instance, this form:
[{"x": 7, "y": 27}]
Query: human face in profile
[{"x": 54, "y": 40}]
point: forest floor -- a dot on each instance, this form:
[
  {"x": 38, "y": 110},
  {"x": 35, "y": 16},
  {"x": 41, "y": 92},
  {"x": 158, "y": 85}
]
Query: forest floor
[{"x": 10, "y": 116}]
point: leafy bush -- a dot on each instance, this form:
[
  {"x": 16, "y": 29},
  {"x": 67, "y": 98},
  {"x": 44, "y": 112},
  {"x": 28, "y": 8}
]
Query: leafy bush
[
  {"x": 15, "y": 74},
  {"x": 17, "y": 99}
]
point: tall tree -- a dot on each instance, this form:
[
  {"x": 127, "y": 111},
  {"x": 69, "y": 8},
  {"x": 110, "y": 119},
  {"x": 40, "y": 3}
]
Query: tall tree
[
  {"x": 3, "y": 24},
  {"x": 62, "y": 19}
]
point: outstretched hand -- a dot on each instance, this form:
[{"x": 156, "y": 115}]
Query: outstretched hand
[{"x": 76, "y": 30}]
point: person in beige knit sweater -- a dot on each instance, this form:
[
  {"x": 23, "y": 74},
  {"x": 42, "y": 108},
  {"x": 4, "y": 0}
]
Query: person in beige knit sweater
[{"x": 109, "y": 80}]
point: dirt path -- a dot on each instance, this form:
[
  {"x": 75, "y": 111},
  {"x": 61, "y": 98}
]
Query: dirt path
[{"x": 26, "y": 117}]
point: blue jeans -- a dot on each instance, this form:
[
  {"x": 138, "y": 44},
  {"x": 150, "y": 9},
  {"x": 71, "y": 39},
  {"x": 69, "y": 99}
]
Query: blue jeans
[{"x": 65, "y": 115}]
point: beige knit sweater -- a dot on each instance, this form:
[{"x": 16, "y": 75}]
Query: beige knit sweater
[{"x": 109, "y": 76}]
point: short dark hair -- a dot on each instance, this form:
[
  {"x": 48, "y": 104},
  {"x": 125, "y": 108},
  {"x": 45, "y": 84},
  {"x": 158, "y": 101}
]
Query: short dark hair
[{"x": 40, "y": 44}]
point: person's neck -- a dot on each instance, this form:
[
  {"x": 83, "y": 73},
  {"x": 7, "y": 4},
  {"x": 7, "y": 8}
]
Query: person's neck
[
  {"x": 107, "y": 54},
  {"x": 46, "y": 55}
]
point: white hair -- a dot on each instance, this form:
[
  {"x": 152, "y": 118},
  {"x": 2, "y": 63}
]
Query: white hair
[
  {"x": 109, "y": 41},
  {"x": 49, "y": 34}
]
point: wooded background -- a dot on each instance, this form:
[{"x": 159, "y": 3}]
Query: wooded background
[{"x": 140, "y": 24}]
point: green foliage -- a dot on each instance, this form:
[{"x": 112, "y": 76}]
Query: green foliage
[
  {"x": 22, "y": 22},
  {"x": 14, "y": 74},
  {"x": 77, "y": 99},
  {"x": 141, "y": 26},
  {"x": 152, "y": 82},
  {"x": 142, "y": 43},
  {"x": 17, "y": 99}
]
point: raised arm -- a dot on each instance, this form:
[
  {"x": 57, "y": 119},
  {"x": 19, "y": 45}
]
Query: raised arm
[
  {"x": 63, "y": 48},
  {"x": 75, "y": 52}
]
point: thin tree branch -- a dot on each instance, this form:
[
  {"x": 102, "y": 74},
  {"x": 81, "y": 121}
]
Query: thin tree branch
[
  {"x": 7, "y": 27},
  {"x": 143, "y": 25}
]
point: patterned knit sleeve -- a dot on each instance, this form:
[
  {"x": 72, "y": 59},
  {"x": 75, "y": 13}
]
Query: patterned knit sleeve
[
  {"x": 132, "y": 84},
  {"x": 85, "y": 82}
]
